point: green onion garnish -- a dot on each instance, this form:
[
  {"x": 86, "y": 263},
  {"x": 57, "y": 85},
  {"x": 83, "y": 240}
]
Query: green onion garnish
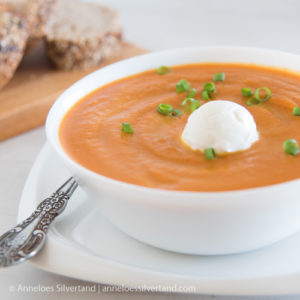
[
  {"x": 167, "y": 109},
  {"x": 164, "y": 109},
  {"x": 176, "y": 112},
  {"x": 186, "y": 100},
  {"x": 246, "y": 92},
  {"x": 291, "y": 147},
  {"x": 208, "y": 90},
  {"x": 162, "y": 70},
  {"x": 209, "y": 153},
  {"x": 266, "y": 97},
  {"x": 209, "y": 87},
  {"x": 182, "y": 86},
  {"x": 252, "y": 101},
  {"x": 205, "y": 95},
  {"x": 192, "y": 93},
  {"x": 195, "y": 104},
  {"x": 296, "y": 111},
  {"x": 126, "y": 127},
  {"x": 219, "y": 77}
]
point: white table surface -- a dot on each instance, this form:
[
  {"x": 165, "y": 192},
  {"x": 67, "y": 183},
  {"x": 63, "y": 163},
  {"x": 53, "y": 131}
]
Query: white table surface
[{"x": 155, "y": 25}]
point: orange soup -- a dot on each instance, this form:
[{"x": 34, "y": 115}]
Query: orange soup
[{"x": 154, "y": 154}]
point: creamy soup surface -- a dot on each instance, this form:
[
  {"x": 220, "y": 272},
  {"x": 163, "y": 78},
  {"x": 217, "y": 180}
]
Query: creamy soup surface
[{"x": 155, "y": 156}]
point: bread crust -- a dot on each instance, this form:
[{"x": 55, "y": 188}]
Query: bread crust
[{"x": 13, "y": 37}]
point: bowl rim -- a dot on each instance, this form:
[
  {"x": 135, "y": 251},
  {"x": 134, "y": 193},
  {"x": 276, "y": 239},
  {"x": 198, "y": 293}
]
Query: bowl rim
[{"x": 188, "y": 195}]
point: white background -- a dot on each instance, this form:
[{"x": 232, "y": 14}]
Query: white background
[{"x": 155, "y": 25}]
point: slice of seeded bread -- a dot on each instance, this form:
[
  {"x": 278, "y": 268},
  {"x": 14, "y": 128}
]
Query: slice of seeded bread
[
  {"x": 42, "y": 10},
  {"x": 81, "y": 35},
  {"x": 13, "y": 37},
  {"x": 37, "y": 13}
]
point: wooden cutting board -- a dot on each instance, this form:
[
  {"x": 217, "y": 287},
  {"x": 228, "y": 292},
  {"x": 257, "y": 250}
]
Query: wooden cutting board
[{"x": 26, "y": 100}]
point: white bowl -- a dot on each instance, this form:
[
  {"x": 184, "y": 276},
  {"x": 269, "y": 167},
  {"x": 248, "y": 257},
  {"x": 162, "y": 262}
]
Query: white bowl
[{"x": 189, "y": 222}]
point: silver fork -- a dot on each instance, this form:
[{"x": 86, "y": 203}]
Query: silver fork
[{"x": 27, "y": 238}]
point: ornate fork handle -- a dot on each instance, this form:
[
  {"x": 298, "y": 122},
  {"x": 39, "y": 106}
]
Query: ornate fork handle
[{"x": 27, "y": 238}]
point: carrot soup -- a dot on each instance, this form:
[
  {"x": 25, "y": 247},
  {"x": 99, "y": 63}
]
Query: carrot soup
[{"x": 131, "y": 129}]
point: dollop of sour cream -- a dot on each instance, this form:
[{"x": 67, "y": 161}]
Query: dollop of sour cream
[{"x": 222, "y": 125}]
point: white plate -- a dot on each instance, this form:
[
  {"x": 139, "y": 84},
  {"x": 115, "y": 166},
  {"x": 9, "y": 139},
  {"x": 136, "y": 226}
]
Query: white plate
[{"x": 84, "y": 245}]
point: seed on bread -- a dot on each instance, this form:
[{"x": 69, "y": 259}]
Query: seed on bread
[
  {"x": 13, "y": 37},
  {"x": 81, "y": 35}
]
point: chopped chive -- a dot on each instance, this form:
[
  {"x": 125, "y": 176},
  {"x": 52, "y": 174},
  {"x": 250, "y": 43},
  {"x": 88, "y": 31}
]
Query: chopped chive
[
  {"x": 182, "y": 86},
  {"x": 296, "y": 111},
  {"x": 219, "y": 76},
  {"x": 246, "y": 92},
  {"x": 291, "y": 147},
  {"x": 195, "y": 104},
  {"x": 127, "y": 128},
  {"x": 186, "y": 100},
  {"x": 162, "y": 70},
  {"x": 209, "y": 153},
  {"x": 167, "y": 109},
  {"x": 192, "y": 93},
  {"x": 176, "y": 112},
  {"x": 164, "y": 109},
  {"x": 209, "y": 87},
  {"x": 205, "y": 95},
  {"x": 267, "y": 95},
  {"x": 208, "y": 90},
  {"x": 252, "y": 101}
]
